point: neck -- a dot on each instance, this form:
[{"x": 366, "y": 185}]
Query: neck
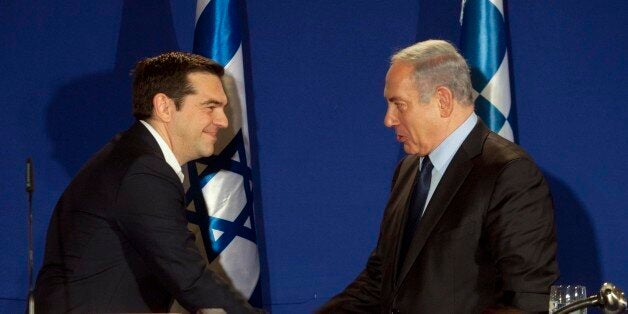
[
  {"x": 163, "y": 131},
  {"x": 457, "y": 118}
]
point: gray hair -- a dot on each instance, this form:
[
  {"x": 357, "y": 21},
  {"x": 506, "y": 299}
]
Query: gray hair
[{"x": 438, "y": 63}]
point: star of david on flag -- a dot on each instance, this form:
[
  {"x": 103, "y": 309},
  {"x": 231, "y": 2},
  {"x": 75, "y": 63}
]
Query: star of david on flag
[
  {"x": 483, "y": 44},
  {"x": 220, "y": 196}
]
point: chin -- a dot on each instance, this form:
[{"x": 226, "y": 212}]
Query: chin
[
  {"x": 203, "y": 154},
  {"x": 410, "y": 150},
  {"x": 209, "y": 152}
]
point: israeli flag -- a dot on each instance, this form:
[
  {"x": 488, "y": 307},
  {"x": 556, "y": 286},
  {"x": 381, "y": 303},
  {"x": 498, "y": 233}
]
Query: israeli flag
[
  {"x": 483, "y": 44},
  {"x": 220, "y": 197}
]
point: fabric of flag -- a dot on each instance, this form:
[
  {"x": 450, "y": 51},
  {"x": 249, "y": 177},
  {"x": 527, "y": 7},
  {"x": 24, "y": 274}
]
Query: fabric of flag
[
  {"x": 220, "y": 192},
  {"x": 483, "y": 44}
]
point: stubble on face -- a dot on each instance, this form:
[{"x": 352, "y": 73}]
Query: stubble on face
[{"x": 200, "y": 117}]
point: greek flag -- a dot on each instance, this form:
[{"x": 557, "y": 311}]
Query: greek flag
[
  {"x": 220, "y": 192},
  {"x": 483, "y": 43}
]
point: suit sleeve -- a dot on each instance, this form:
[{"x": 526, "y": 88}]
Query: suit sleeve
[
  {"x": 149, "y": 212},
  {"x": 363, "y": 295},
  {"x": 521, "y": 235}
]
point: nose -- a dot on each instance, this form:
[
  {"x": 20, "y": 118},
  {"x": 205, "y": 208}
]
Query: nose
[
  {"x": 390, "y": 119},
  {"x": 220, "y": 119}
]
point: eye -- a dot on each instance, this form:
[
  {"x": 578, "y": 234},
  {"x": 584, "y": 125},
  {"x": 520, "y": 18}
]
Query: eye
[{"x": 401, "y": 106}]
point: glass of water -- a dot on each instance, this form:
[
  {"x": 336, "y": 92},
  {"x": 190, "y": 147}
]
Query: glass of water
[{"x": 562, "y": 295}]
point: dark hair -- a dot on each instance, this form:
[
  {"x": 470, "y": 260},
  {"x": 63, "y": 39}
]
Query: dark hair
[{"x": 167, "y": 73}]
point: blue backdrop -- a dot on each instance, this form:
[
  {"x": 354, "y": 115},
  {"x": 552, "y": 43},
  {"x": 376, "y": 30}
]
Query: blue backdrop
[{"x": 324, "y": 159}]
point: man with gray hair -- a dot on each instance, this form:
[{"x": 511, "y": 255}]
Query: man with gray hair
[{"x": 469, "y": 224}]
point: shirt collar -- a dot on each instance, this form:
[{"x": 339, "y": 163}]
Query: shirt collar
[
  {"x": 444, "y": 153},
  {"x": 165, "y": 149}
]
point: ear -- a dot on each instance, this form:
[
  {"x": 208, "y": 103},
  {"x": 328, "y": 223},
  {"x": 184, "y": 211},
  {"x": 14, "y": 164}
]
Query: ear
[
  {"x": 162, "y": 107},
  {"x": 445, "y": 99}
]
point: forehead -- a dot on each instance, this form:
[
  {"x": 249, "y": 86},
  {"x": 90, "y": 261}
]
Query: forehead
[
  {"x": 204, "y": 80},
  {"x": 400, "y": 79},
  {"x": 207, "y": 85}
]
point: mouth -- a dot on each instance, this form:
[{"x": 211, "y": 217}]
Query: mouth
[
  {"x": 401, "y": 138},
  {"x": 212, "y": 135}
]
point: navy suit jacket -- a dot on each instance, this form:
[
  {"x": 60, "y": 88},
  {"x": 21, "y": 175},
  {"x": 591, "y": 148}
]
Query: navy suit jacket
[
  {"x": 118, "y": 239},
  {"x": 486, "y": 239}
]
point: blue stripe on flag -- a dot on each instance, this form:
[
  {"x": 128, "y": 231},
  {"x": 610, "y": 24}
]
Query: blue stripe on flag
[
  {"x": 490, "y": 115},
  {"x": 217, "y": 34},
  {"x": 483, "y": 40},
  {"x": 206, "y": 179},
  {"x": 230, "y": 230}
]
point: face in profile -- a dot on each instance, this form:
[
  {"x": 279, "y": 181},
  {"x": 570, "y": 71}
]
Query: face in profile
[
  {"x": 416, "y": 124},
  {"x": 201, "y": 115}
]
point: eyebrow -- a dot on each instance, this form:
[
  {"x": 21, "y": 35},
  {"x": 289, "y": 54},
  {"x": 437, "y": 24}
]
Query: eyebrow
[
  {"x": 213, "y": 102},
  {"x": 394, "y": 98}
]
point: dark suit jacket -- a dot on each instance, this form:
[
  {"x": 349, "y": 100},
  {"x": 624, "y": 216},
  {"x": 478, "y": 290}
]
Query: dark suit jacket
[
  {"x": 487, "y": 238},
  {"x": 118, "y": 239}
]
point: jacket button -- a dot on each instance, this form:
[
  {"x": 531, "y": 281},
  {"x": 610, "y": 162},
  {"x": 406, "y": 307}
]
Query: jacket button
[{"x": 395, "y": 311}]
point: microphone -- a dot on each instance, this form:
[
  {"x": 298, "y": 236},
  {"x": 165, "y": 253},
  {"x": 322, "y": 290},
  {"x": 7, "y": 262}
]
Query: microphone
[
  {"x": 30, "y": 184},
  {"x": 610, "y": 298}
]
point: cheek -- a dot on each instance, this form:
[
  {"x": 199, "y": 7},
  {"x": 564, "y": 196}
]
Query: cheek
[
  {"x": 415, "y": 127},
  {"x": 406, "y": 121},
  {"x": 200, "y": 120}
]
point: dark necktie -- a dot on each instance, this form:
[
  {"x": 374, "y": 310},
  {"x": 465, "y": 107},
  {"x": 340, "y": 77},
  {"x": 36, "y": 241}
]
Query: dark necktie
[{"x": 417, "y": 202}]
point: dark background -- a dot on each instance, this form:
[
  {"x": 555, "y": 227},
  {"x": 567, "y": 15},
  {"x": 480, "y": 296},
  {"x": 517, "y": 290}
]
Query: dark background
[{"x": 324, "y": 159}]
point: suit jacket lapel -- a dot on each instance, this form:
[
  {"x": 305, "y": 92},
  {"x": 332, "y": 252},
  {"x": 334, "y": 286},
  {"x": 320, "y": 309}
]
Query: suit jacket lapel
[
  {"x": 398, "y": 204},
  {"x": 447, "y": 188}
]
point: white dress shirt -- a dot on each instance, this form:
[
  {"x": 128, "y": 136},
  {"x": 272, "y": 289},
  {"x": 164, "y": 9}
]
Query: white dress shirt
[
  {"x": 442, "y": 155},
  {"x": 165, "y": 149}
]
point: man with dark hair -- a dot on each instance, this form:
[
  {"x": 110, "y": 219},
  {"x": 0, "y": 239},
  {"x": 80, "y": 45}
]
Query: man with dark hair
[
  {"x": 118, "y": 238},
  {"x": 469, "y": 225}
]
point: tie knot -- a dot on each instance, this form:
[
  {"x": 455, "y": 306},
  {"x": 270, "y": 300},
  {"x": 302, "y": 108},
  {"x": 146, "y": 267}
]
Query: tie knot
[{"x": 426, "y": 164}]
